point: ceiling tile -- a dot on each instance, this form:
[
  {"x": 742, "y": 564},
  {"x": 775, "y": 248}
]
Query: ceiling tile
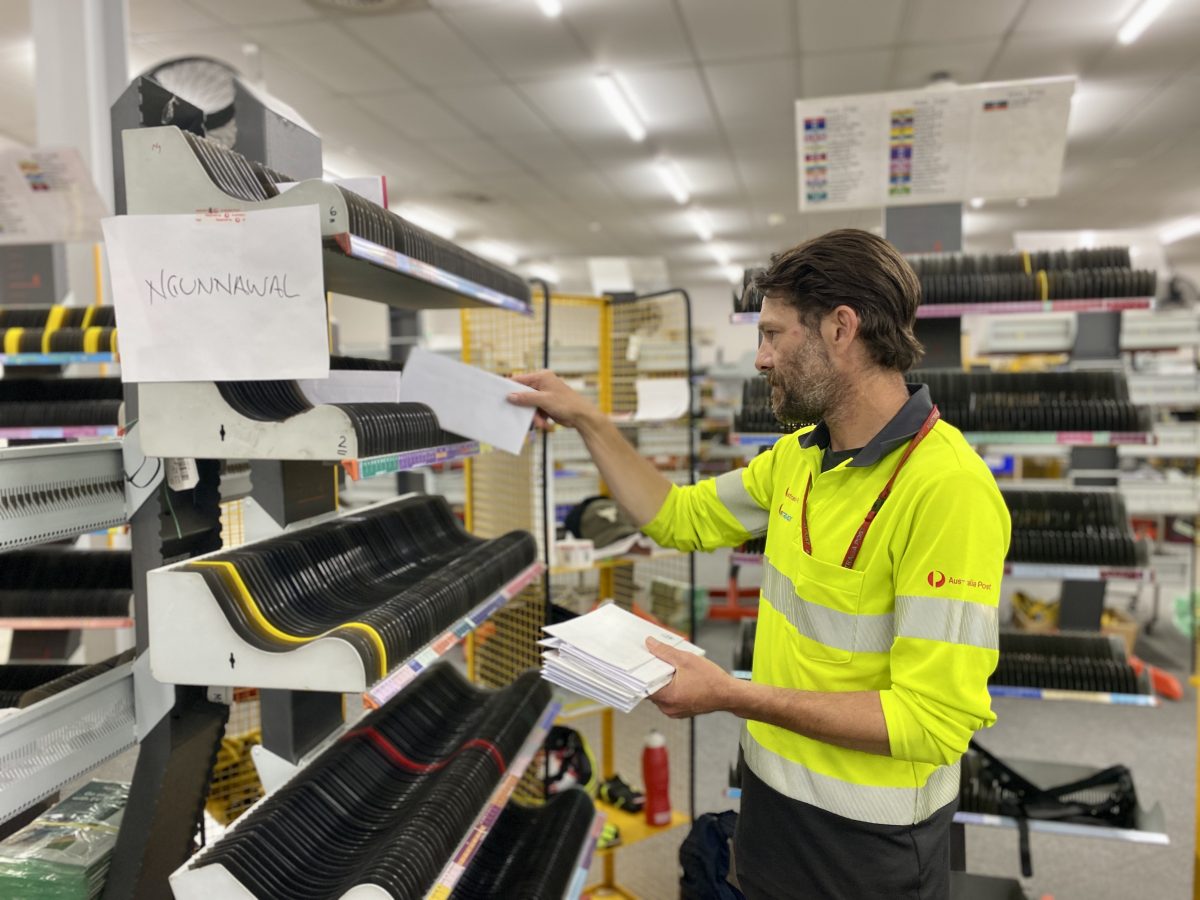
[
  {"x": 848, "y": 24},
  {"x": 966, "y": 61},
  {"x": 856, "y": 72},
  {"x": 494, "y": 110},
  {"x": 258, "y": 12},
  {"x": 425, "y": 48},
  {"x": 474, "y": 157},
  {"x": 1074, "y": 17},
  {"x": 415, "y": 115},
  {"x": 1101, "y": 106},
  {"x": 288, "y": 83},
  {"x": 764, "y": 89},
  {"x": 331, "y": 56},
  {"x": 574, "y": 106},
  {"x": 673, "y": 101},
  {"x": 930, "y": 21},
  {"x": 1163, "y": 50},
  {"x": 147, "y": 51},
  {"x": 625, "y": 33},
  {"x": 1037, "y": 56},
  {"x": 543, "y": 152},
  {"x": 151, "y": 16},
  {"x": 518, "y": 39},
  {"x": 750, "y": 29}
]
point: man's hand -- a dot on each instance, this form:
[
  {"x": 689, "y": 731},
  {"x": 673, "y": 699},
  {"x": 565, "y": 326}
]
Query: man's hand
[
  {"x": 554, "y": 399},
  {"x": 699, "y": 686}
]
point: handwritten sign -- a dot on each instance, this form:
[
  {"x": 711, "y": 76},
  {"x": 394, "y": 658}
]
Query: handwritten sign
[{"x": 226, "y": 296}]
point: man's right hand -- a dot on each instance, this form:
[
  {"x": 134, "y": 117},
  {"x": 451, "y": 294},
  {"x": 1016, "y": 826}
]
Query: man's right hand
[{"x": 554, "y": 399}]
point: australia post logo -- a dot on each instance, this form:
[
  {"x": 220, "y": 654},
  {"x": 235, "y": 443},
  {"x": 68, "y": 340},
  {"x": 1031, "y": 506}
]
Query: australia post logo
[{"x": 937, "y": 578}]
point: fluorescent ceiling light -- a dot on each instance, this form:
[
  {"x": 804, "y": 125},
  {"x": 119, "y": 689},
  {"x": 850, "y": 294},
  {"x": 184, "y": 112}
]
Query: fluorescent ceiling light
[
  {"x": 734, "y": 274},
  {"x": 976, "y": 203},
  {"x": 551, "y": 9},
  {"x": 549, "y": 274},
  {"x": 1140, "y": 20},
  {"x": 621, "y": 107},
  {"x": 423, "y": 218},
  {"x": 501, "y": 253},
  {"x": 719, "y": 253},
  {"x": 701, "y": 223},
  {"x": 673, "y": 179},
  {"x": 1177, "y": 231}
]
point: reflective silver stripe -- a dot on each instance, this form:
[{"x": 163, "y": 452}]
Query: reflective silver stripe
[
  {"x": 861, "y": 802},
  {"x": 845, "y": 631},
  {"x": 947, "y": 620},
  {"x": 732, "y": 492}
]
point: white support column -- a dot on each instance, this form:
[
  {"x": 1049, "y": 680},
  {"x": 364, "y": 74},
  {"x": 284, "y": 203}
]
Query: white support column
[{"x": 81, "y": 66}]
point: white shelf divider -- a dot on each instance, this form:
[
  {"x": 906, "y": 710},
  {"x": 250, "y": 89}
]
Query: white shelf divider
[
  {"x": 60, "y": 490},
  {"x": 46, "y": 746}
]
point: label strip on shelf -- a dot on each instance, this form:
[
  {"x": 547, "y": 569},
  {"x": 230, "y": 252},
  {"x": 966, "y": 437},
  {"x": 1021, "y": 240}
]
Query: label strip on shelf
[
  {"x": 1103, "y": 697},
  {"x": 467, "y": 848},
  {"x": 54, "y": 359},
  {"x": 1076, "y": 573},
  {"x": 584, "y": 865},
  {"x": 1061, "y": 438},
  {"x": 398, "y": 678},
  {"x": 25, "y": 433},
  {"x": 1071, "y": 829},
  {"x": 62, "y": 623},
  {"x": 391, "y": 463}
]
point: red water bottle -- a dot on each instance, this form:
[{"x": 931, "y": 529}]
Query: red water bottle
[{"x": 656, "y": 775}]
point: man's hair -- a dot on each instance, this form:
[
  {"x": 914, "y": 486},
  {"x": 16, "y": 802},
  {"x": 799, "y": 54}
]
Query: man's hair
[{"x": 854, "y": 268}]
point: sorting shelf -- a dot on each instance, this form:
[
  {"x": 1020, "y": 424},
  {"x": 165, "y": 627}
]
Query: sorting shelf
[
  {"x": 954, "y": 310},
  {"x": 390, "y": 463},
  {"x": 191, "y": 642},
  {"x": 59, "y": 490},
  {"x": 613, "y": 562},
  {"x": 478, "y": 832},
  {"x": 163, "y": 175},
  {"x": 192, "y": 420},
  {"x": 633, "y": 827},
  {"x": 215, "y": 881},
  {"x": 48, "y": 745},
  {"x": 394, "y": 682},
  {"x": 54, "y": 359}
]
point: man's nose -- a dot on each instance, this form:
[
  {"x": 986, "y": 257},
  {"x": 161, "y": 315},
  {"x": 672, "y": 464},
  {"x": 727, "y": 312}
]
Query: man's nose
[{"x": 763, "y": 360}]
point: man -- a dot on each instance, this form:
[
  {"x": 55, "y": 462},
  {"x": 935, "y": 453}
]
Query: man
[{"x": 886, "y": 538}]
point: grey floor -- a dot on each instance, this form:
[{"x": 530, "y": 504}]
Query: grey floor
[{"x": 1159, "y": 745}]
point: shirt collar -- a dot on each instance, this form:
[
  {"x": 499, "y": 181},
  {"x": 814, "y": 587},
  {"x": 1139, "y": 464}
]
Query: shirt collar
[{"x": 906, "y": 423}]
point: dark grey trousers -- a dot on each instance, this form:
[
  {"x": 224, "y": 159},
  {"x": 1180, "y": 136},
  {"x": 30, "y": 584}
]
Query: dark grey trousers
[{"x": 789, "y": 850}]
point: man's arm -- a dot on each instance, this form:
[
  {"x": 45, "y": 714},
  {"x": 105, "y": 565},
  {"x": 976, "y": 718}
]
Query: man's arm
[
  {"x": 633, "y": 480},
  {"x": 852, "y": 719}
]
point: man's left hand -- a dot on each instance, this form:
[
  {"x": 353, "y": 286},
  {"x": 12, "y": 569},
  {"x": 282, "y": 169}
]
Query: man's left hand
[{"x": 699, "y": 686}]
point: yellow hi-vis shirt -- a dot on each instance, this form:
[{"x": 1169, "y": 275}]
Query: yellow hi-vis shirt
[{"x": 915, "y": 619}]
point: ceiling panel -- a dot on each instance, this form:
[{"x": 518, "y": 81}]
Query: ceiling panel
[
  {"x": 673, "y": 101},
  {"x": 855, "y": 72},
  {"x": 474, "y": 156},
  {"x": 574, "y": 106},
  {"x": 1074, "y": 17},
  {"x": 848, "y": 24},
  {"x": 966, "y": 61},
  {"x": 424, "y": 47},
  {"x": 287, "y": 82},
  {"x": 1037, "y": 56},
  {"x": 1163, "y": 50},
  {"x": 330, "y": 56},
  {"x": 518, "y": 39},
  {"x": 494, "y": 109},
  {"x": 625, "y": 33},
  {"x": 930, "y": 21},
  {"x": 764, "y": 89},
  {"x": 149, "y": 50},
  {"x": 1101, "y": 106},
  {"x": 257, "y": 12},
  {"x": 543, "y": 152},
  {"x": 415, "y": 115},
  {"x": 150, "y": 16},
  {"x": 750, "y": 29}
]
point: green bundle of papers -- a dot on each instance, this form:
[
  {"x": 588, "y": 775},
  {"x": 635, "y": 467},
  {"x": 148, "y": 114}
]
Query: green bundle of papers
[{"x": 64, "y": 854}]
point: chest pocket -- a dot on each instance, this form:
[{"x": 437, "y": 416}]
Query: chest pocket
[{"x": 821, "y": 601}]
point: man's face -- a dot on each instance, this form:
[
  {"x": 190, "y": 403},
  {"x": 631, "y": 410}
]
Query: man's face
[{"x": 804, "y": 382}]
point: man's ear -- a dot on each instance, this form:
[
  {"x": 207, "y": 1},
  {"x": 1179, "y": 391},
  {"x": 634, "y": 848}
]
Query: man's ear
[{"x": 841, "y": 328}]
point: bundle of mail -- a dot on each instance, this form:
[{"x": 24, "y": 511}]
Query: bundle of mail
[{"x": 603, "y": 656}]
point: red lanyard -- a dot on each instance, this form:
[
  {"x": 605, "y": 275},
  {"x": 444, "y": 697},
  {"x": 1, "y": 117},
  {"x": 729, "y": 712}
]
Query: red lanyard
[{"x": 857, "y": 542}]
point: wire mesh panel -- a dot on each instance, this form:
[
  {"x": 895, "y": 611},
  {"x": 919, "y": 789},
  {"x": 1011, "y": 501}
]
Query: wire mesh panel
[{"x": 504, "y": 493}]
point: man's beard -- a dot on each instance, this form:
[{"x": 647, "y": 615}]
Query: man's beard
[{"x": 805, "y": 385}]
